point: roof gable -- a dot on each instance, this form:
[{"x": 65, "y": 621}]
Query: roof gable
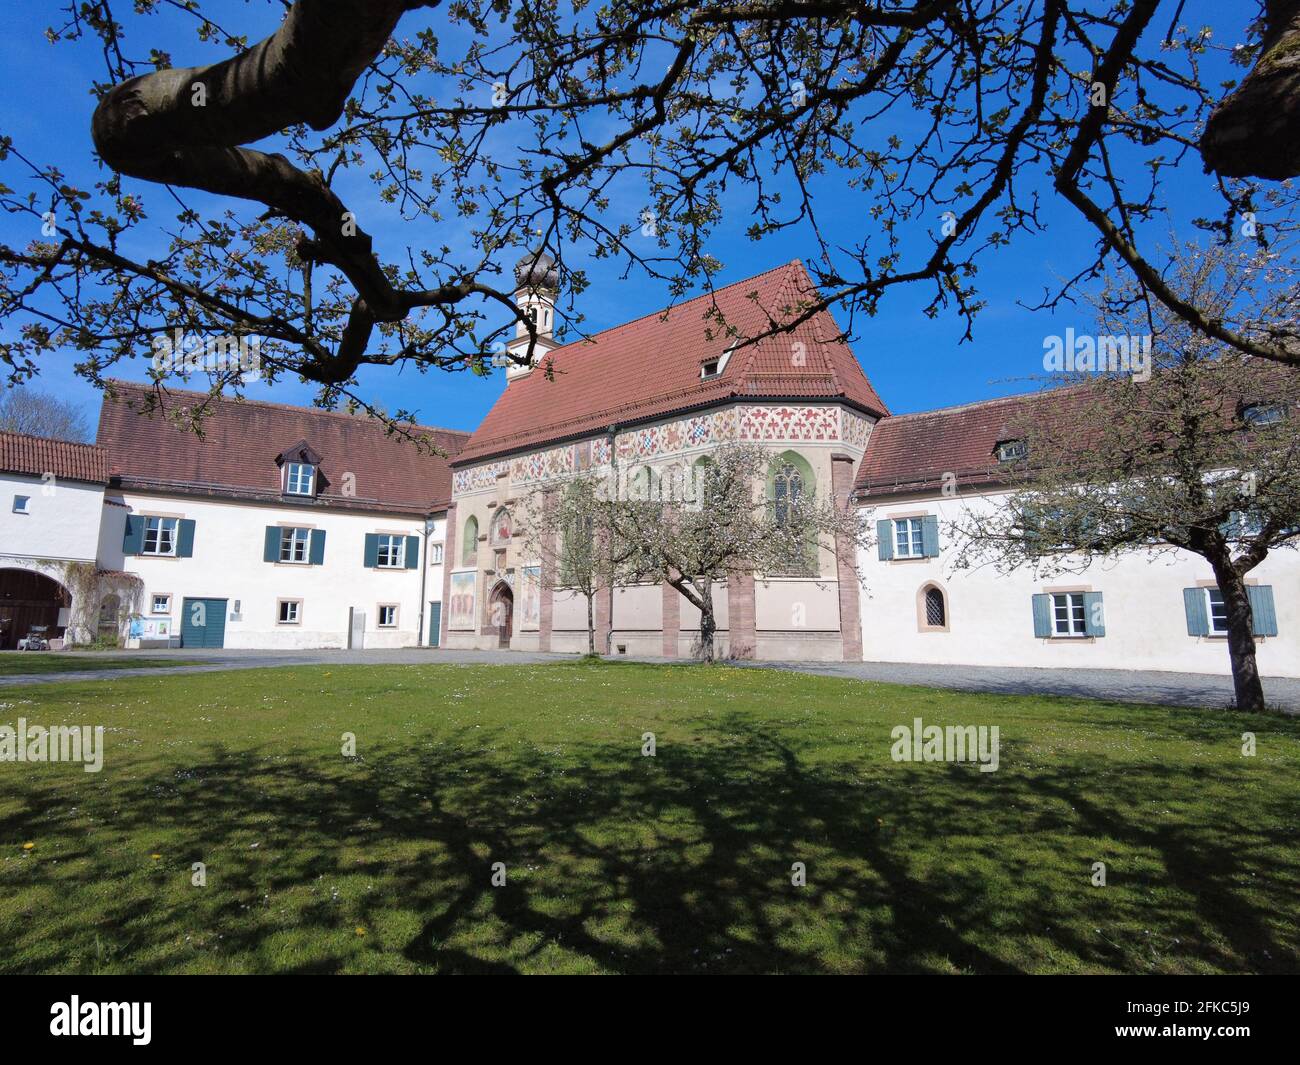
[
  {"x": 39, "y": 455},
  {"x": 241, "y": 452},
  {"x": 651, "y": 366}
]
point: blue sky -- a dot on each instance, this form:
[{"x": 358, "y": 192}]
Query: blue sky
[{"x": 915, "y": 363}]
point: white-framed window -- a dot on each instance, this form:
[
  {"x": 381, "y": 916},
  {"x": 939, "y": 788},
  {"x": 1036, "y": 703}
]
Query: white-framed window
[
  {"x": 299, "y": 479},
  {"x": 1217, "y": 610},
  {"x": 1012, "y": 450},
  {"x": 392, "y": 551},
  {"x": 1069, "y": 618},
  {"x": 289, "y": 611},
  {"x": 908, "y": 542},
  {"x": 160, "y": 604},
  {"x": 435, "y": 554},
  {"x": 388, "y": 615},
  {"x": 22, "y": 504},
  {"x": 710, "y": 369},
  {"x": 294, "y": 545},
  {"x": 160, "y": 536}
]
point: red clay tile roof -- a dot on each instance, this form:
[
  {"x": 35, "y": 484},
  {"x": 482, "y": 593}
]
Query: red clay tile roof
[
  {"x": 38, "y": 455},
  {"x": 650, "y": 367},
  {"x": 912, "y": 452},
  {"x": 236, "y": 455}
]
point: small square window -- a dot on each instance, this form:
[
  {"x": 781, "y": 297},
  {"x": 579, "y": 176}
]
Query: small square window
[
  {"x": 22, "y": 504},
  {"x": 710, "y": 369},
  {"x": 1012, "y": 450},
  {"x": 387, "y": 616},
  {"x": 435, "y": 554},
  {"x": 290, "y": 611},
  {"x": 161, "y": 604}
]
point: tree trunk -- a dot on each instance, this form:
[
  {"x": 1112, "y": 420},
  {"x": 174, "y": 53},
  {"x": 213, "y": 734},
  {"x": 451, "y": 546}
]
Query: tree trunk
[
  {"x": 708, "y": 626},
  {"x": 591, "y": 625},
  {"x": 1241, "y": 640},
  {"x": 1255, "y": 131}
]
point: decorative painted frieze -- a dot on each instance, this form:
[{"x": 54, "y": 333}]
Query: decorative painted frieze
[{"x": 766, "y": 423}]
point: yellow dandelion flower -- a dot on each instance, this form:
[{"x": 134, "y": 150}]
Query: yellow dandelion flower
[
  {"x": 361, "y": 931},
  {"x": 28, "y": 846},
  {"x": 155, "y": 857}
]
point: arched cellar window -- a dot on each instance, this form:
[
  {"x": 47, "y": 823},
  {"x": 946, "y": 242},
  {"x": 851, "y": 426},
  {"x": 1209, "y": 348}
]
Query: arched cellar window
[
  {"x": 934, "y": 608},
  {"x": 469, "y": 549}
]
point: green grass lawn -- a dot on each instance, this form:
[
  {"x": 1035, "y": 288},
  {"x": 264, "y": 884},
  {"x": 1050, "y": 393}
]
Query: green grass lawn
[
  {"x": 616, "y": 862},
  {"x": 32, "y": 663}
]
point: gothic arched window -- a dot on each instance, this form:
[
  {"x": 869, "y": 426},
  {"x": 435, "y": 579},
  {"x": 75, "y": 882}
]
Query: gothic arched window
[
  {"x": 469, "y": 548},
  {"x": 787, "y": 490}
]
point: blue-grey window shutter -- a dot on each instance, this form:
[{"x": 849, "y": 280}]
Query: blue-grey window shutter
[
  {"x": 271, "y": 546},
  {"x": 930, "y": 536},
  {"x": 1094, "y": 617},
  {"x": 412, "y": 552},
  {"x": 1261, "y": 609},
  {"x": 1042, "y": 616},
  {"x": 1198, "y": 621},
  {"x": 317, "y": 555},
  {"x": 372, "y": 550},
  {"x": 885, "y": 538},
  {"x": 185, "y": 538},
  {"x": 133, "y": 536}
]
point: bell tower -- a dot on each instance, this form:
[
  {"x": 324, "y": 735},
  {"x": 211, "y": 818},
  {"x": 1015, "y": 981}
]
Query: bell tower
[{"x": 537, "y": 283}]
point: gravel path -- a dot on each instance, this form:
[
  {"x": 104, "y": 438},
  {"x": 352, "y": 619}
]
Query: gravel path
[{"x": 1139, "y": 686}]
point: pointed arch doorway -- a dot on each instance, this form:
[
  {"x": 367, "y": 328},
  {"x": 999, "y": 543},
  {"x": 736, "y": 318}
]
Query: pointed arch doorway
[{"x": 501, "y": 613}]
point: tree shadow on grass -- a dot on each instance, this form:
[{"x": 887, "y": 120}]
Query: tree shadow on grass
[{"x": 677, "y": 863}]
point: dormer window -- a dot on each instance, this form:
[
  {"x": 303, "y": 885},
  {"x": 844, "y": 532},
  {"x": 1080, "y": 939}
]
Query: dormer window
[
  {"x": 1012, "y": 450},
  {"x": 1258, "y": 415},
  {"x": 299, "y": 479},
  {"x": 710, "y": 369}
]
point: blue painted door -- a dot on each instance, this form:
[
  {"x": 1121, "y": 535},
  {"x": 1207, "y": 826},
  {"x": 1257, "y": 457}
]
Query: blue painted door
[
  {"x": 435, "y": 624},
  {"x": 203, "y": 623}
]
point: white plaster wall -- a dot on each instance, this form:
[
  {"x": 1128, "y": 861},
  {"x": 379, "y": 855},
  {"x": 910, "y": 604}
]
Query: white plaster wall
[
  {"x": 991, "y": 621},
  {"x": 227, "y": 564},
  {"x": 62, "y": 520}
]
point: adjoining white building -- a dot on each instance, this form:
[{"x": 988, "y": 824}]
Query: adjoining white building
[
  {"x": 281, "y": 527},
  {"x": 51, "y": 501},
  {"x": 287, "y": 527},
  {"x": 923, "y": 472}
]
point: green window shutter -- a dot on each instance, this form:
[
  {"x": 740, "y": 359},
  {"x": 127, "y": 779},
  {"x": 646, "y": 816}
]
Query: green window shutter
[
  {"x": 885, "y": 538},
  {"x": 316, "y": 553},
  {"x": 1198, "y": 620},
  {"x": 271, "y": 547},
  {"x": 1042, "y": 616},
  {"x": 185, "y": 538},
  {"x": 1094, "y": 617},
  {"x": 1261, "y": 609},
  {"x": 412, "y": 552},
  {"x": 930, "y": 536},
  {"x": 372, "y": 550},
  {"x": 133, "y": 535}
]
